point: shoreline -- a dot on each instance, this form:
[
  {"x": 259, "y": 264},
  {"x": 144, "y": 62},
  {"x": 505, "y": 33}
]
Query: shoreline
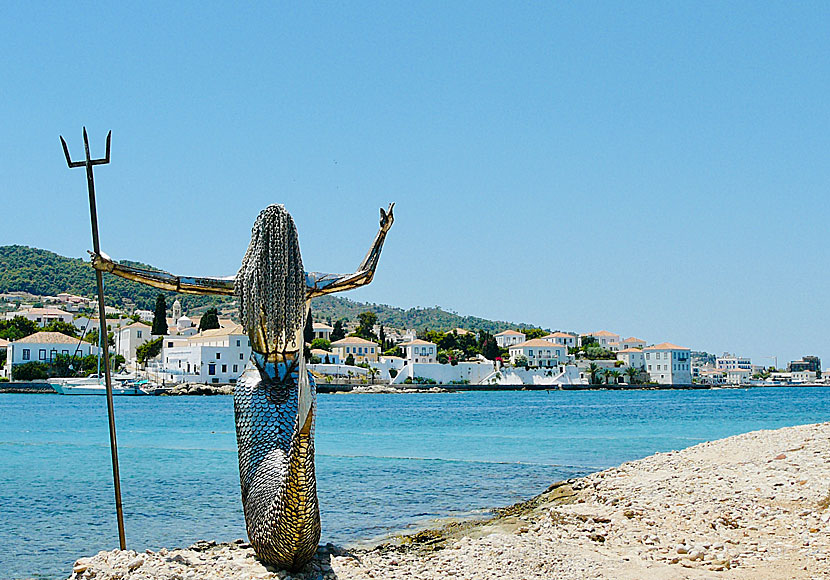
[
  {"x": 755, "y": 505},
  {"x": 201, "y": 389}
]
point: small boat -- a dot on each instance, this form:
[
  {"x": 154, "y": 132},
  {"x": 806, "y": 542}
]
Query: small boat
[{"x": 96, "y": 386}]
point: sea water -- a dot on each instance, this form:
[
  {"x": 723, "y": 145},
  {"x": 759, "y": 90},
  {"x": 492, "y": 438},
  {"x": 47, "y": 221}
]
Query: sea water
[{"x": 384, "y": 462}]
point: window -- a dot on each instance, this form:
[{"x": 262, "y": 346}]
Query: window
[
  {"x": 211, "y": 369},
  {"x": 26, "y": 354},
  {"x": 53, "y": 354},
  {"x": 238, "y": 342},
  {"x": 649, "y": 367},
  {"x": 42, "y": 354},
  {"x": 236, "y": 368},
  {"x": 218, "y": 355},
  {"x": 138, "y": 334},
  {"x": 170, "y": 344},
  {"x": 224, "y": 368},
  {"x": 64, "y": 351},
  {"x": 241, "y": 356}
]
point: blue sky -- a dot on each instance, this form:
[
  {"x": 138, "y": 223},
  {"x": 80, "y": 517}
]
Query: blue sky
[{"x": 655, "y": 169}]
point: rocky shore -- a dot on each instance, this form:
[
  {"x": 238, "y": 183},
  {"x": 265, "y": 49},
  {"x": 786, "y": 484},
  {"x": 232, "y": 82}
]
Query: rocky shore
[{"x": 751, "y": 506}]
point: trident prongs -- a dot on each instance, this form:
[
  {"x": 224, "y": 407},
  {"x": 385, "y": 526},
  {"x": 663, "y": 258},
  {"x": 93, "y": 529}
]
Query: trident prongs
[{"x": 88, "y": 161}]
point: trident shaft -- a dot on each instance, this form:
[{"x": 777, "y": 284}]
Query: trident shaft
[{"x": 102, "y": 318}]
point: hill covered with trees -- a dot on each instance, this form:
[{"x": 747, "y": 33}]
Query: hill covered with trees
[{"x": 46, "y": 273}]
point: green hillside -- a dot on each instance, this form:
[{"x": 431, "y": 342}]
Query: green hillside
[{"x": 47, "y": 274}]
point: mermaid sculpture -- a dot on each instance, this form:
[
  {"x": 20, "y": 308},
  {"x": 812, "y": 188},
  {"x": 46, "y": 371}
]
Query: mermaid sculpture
[{"x": 275, "y": 398}]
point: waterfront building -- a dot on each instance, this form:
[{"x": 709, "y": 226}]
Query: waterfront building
[
  {"x": 803, "y": 376},
  {"x": 728, "y": 361},
  {"x": 738, "y": 376},
  {"x": 668, "y": 364},
  {"x": 710, "y": 376},
  {"x": 420, "y": 351},
  {"x": 562, "y": 338},
  {"x": 360, "y": 348},
  {"x": 539, "y": 353},
  {"x": 632, "y": 357},
  {"x": 807, "y": 363},
  {"x": 509, "y": 338},
  {"x": 213, "y": 356},
  {"x": 130, "y": 337},
  {"x": 322, "y": 330},
  {"x": 603, "y": 338},
  {"x": 42, "y": 316},
  {"x": 44, "y": 347}
]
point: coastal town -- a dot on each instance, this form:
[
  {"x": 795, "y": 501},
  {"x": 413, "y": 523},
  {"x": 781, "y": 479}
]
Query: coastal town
[{"x": 58, "y": 336}]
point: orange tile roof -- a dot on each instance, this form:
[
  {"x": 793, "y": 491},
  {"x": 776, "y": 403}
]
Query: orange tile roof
[
  {"x": 630, "y": 350},
  {"x": 417, "y": 342},
  {"x": 509, "y": 332},
  {"x": 559, "y": 335},
  {"x": 48, "y": 338},
  {"x": 665, "y": 346},
  {"x": 352, "y": 340}
]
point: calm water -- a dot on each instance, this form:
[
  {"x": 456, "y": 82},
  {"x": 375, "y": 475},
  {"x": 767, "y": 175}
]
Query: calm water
[{"x": 383, "y": 461}]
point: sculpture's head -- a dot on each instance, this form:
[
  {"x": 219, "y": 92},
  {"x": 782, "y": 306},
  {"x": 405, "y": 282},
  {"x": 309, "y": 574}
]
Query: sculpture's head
[{"x": 270, "y": 285}]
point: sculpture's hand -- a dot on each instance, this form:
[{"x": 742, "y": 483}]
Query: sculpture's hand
[
  {"x": 387, "y": 218},
  {"x": 102, "y": 262}
]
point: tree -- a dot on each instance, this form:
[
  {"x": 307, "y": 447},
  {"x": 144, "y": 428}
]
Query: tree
[
  {"x": 321, "y": 344},
  {"x": 149, "y": 350},
  {"x": 17, "y": 328},
  {"x": 521, "y": 361},
  {"x": 30, "y": 371},
  {"x": 93, "y": 338},
  {"x": 490, "y": 349},
  {"x": 366, "y": 324},
  {"x": 373, "y": 373},
  {"x": 382, "y": 339},
  {"x": 209, "y": 321},
  {"x": 614, "y": 375},
  {"x": 531, "y": 333},
  {"x": 338, "y": 332},
  {"x": 62, "y": 327},
  {"x": 308, "y": 331},
  {"x": 594, "y": 371},
  {"x": 633, "y": 375},
  {"x": 350, "y": 360},
  {"x": 160, "y": 316}
]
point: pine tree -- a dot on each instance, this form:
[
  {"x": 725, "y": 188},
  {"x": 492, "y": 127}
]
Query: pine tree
[
  {"x": 160, "y": 316},
  {"x": 308, "y": 336},
  {"x": 382, "y": 339},
  {"x": 338, "y": 333},
  {"x": 209, "y": 320}
]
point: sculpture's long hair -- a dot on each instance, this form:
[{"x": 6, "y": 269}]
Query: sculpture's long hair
[{"x": 270, "y": 285}]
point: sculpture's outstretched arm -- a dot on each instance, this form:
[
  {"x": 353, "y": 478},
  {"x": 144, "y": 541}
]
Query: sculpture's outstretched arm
[
  {"x": 319, "y": 283},
  {"x": 163, "y": 280}
]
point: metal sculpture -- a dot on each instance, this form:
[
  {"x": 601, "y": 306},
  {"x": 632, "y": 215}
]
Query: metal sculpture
[
  {"x": 93, "y": 215},
  {"x": 275, "y": 398}
]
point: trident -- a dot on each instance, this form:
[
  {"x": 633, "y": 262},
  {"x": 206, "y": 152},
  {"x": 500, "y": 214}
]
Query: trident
[{"x": 93, "y": 214}]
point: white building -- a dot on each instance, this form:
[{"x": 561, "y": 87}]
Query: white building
[
  {"x": 738, "y": 376},
  {"x": 563, "y": 338},
  {"x": 539, "y": 353},
  {"x": 603, "y": 338},
  {"x": 322, "y": 330},
  {"x": 420, "y": 351},
  {"x": 626, "y": 343},
  {"x": 730, "y": 361},
  {"x": 668, "y": 364},
  {"x": 130, "y": 337},
  {"x": 144, "y": 315},
  {"x": 42, "y": 316},
  {"x": 804, "y": 376},
  {"x": 326, "y": 357},
  {"x": 44, "y": 347},
  {"x": 632, "y": 357},
  {"x": 213, "y": 356},
  {"x": 508, "y": 338}
]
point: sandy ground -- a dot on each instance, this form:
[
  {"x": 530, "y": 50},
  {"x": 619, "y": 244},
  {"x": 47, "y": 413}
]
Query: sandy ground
[{"x": 748, "y": 507}]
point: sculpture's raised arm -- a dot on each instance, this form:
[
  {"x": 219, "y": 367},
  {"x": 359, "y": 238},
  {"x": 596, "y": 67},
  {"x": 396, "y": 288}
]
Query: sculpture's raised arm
[
  {"x": 163, "y": 280},
  {"x": 319, "y": 283}
]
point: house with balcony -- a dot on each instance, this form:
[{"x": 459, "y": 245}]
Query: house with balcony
[
  {"x": 420, "y": 351},
  {"x": 360, "y": 349},
  {"x": 508, "y": 338},
  {"x": 668, "y": 364},
  {"x": 539, "y": 353}
]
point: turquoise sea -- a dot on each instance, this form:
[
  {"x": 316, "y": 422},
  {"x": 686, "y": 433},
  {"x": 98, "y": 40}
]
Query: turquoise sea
[{"x": 384, "y": 462}]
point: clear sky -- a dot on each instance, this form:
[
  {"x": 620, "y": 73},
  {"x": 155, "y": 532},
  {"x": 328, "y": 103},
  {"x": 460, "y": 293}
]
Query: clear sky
[{"x": 655, "y": 169}]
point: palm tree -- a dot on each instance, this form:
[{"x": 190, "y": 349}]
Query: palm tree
[
  {"x": 594, "y": 369},
  {"x": 615, "y": 374},
  {"x": 373, "y": 373},
  {"x": 632, "y": 374}
]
